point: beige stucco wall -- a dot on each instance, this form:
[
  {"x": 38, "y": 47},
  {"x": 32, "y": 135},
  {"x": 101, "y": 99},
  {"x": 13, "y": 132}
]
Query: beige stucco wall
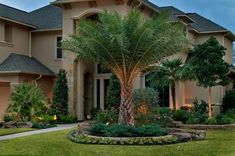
[
  {"x": 44, "y": 49},
  {"x": 20, "y": 40}
]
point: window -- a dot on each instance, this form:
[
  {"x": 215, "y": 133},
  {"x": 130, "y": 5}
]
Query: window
[
  {"x": 58, "y": 48},
  {"x": 8, "y": 33}
]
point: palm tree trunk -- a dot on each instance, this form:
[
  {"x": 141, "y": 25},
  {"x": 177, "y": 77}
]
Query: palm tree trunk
[
  {"x": 209, "y": 102},
  {"x": 173, "y": 96},
  {"x": 126, "y": 114}
]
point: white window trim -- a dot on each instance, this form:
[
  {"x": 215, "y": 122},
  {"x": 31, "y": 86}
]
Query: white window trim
[{"x": 57, "y": 59}]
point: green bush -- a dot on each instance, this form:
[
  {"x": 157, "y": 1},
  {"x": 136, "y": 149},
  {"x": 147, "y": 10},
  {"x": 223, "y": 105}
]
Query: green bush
[
  {"x": 200, "y": 110},
  {"x": 41, "y": 125},
  {"x": 66, "y": 119},
  {"x": 9, "y": 117},
  {"x": 224, "y": 119},
  {"x": 147, "y": 96},
  {"x": 27, "y": 100},
  {"x": 181, "y": 115},
  {"x": 113, "y": 93},
  {"x": 60, "y": 95},
  {"x": 211, "y": 121},
  {"x": 107, "y": 116},
  {"x": 192, "y": 119},
  {"x": 229, "y": 100},
  {"x": 119, "y": 130},
  {"x": 230, "y": 113},
  {"x": 163, "y": 116}
]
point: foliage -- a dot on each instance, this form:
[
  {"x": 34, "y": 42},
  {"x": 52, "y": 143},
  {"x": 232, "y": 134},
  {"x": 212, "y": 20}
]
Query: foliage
[
  {"x": 10, "y": 117},
  {"x": 158, "y": 115},
  {"x": 211, "y": 121},
  {"x": 192, "y": 119},
  {"x": 120, "y": 130},
  {"x": 60, "y": 95},
  {"x": 107, "y": 116},
  {"x": 26, "y": 101},
  {"x": 208, "y": 66},
  {"x": 167, "y": 74},
  {"x": 209, "y": 55},
  {"x": 113, "y": 93},
  {"x": 147, "y": 96},
  {"x": 224, "y": 119},
  {"x": 200, "y": 110},
  {"x": 94, "y": 112},
  {"x": 50, "y": 119},
  {"x": 181, "y": 115},
  {"x": 230, "y": 113},
  {"x": 229, "y": 100},
  {"x": 41, "y": 125},
  {"x": 127, "y": 45}
]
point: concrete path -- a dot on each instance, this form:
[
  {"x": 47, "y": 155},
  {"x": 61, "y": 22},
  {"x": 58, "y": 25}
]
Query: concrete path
[{"x": 54, "y": 129}]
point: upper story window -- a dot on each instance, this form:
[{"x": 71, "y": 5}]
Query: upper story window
[
  {"x": 8, "y": 33},
  {"x": 58, "y": 47}
]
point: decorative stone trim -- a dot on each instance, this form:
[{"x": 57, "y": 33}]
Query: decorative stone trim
[
  {"x": 174, "y": 137},
  {"x": 207, "y": 127}
]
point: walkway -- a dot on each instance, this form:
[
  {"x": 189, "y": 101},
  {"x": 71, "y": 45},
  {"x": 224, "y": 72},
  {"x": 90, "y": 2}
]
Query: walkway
[{"x": 58, "y": 128}]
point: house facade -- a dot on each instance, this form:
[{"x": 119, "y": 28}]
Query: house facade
[{"x": 30, "y": 51}]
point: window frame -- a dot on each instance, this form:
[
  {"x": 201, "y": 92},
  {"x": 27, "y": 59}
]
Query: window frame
[{"x": 56, "y": 48}]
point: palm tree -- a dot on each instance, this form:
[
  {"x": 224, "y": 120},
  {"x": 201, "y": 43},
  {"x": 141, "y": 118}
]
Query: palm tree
[
  {"x": 167, "y": 74},
  {"x": 126, "y": 45}
]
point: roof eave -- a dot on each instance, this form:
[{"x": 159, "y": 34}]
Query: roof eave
[
  {"x": 18, "y": 22},
  {"x": 23, "y": 72}
]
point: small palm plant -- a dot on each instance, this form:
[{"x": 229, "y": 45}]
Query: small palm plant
[
  {"x": 167, "y": 74},
  {"x": 26, "y": 101},
  {"x": 127, "y": 45}
]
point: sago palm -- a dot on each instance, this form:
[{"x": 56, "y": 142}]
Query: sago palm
[{"x": 126, "y": 45}]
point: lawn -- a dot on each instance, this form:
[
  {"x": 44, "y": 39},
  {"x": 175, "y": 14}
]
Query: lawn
[
  {"x": 218, "y": 143},
  {"x": 7, "y": 131}
]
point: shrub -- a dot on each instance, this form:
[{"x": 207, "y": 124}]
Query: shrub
[
  {"x": 66, "y": 119},
  {"x": 60, "y": 95},
  {"x": 229, "y": 100},
  {"x": 9, "y": 117},
  {"x": 181, "y": 115},
  {"x": 41, "y": 125},
  {"x": 224, "y": 119},
  {"x": 113, "y": 93},
  {"x": 192, "y": 119},
  {"x": 145, "y": 97},
  {"x": 163, "y": 116},
  {"x": 211, "y": 121},
  {"x": 106, "y": 116},
  {"x": 26, "y": 101},
  {"x": 200, "y": 110},
  {"x": 120, "y": 130},
  {"x": 230, "y": 113}
]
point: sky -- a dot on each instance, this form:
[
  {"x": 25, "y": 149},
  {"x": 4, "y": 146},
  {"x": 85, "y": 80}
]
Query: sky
[{"x": 219, "y": 11}]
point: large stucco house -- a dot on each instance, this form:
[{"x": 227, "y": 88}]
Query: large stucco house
[{"x": 30, "y": 51}]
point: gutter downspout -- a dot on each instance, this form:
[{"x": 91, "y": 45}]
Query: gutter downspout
[
  {"x": 30, "y": 43},
  {"x": 38, "y": 78}
]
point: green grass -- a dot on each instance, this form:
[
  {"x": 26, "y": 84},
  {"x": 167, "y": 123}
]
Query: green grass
[
  {"x": 7, "y": 131},
  {"x": 218, "y": 143}
]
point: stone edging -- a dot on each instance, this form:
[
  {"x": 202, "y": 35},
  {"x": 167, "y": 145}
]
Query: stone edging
[
  {"x": 207, "y": 127},
  {"x": 173, "y": 138}
]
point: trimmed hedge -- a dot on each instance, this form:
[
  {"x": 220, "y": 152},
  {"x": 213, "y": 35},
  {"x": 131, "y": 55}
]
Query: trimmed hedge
[{"x": 88, "y": 139}]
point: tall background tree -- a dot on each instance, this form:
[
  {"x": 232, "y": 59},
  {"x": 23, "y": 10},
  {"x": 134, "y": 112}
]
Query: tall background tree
[
  {"x": 127, "y": 45},
  {"x": 60, "y": 95},
  {"x": 209, "y": 67},
  {"x": 167, "y": 74}
]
